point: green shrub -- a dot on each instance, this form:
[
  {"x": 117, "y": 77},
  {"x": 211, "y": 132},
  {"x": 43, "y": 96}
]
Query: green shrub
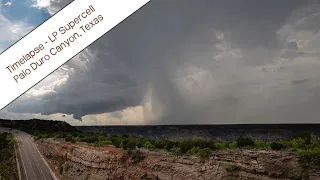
[
  {"x": 184, "y": 146},
  {"x": 233, "y": 145},
  {"x": 276, "y": 146},
  {"x": 244, "y": 141},
  {"x": 193, "y": 151},
  {"x": 131, "y": 144},
  {"x": 211, "y": 144},
  {"x": 169, "y": 145},
  {"x": 314, "y": 143},
  {"x": 102, "y": 138},
  {"x": 121, "y": 145},
  {"x": 305, "y": 136},
  {"x": 204, "y": 153},
  {"x": 219, "y": 145},
  {"x": 159, "y": 144},
  {"x": 116, "y": 142},
  {"x": 297, "y": 143},
  {"x": 259, "y": 144},
  {"x": 148, "y": 145},
  {"x": 309, "y": 157},
  {"x": 139, "y": 142},
  {"x": 199, "y": 142},
  {"x": 175, "y": 150}
]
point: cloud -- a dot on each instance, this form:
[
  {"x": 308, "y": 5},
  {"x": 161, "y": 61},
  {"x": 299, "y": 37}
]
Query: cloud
[
  {"x": 192, "y": 62},
  {"x": 8, "y": 3},
  {"x": 12, "y": 31},
  {"x": 52, "y": 6}
]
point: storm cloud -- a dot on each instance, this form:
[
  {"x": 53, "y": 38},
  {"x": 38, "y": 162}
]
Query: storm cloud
[{"x": 195, "y": 62}]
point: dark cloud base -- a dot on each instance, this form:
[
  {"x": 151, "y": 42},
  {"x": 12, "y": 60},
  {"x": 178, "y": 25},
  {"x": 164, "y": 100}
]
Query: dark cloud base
[{"x": 147, "y": 49}]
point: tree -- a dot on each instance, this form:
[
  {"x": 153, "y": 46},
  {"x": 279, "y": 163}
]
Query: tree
[
  {"x": 276, "y": 146},
  {"x": 244, "y": 141}
]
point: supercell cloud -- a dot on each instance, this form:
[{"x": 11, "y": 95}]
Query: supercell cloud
[{"x": 193, "y": 62}]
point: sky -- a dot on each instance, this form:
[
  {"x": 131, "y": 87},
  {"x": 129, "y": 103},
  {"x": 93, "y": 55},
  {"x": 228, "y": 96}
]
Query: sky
[{"x": 181, "y": 62}]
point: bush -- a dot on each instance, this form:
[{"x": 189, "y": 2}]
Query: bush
[
  {"x": 204, "y": 153},
  {"x": 131, "y": 144},
  {"x": 7, "y": 163},
  {"x": 233, "y": 145},
  {"x": 148, "y": 145},
  {"x": 90, "y": 139},
  {"x": 314, "y": 143},
  {"x": 260, "y": 144},
  {"x": 199, "y": 142},
  {"x": 309, "y": 157},
  {"x": 244, "y": 141},
  {"x": 220, "y": 145},
  {"x": 276, "y": 146},
  {"x": 101, "y": 138},
  {"x": 116, "y": 141},
  {"x": 169, "y": 145},
  {"x": 193, "y": 151},
  {"x": 159, "y": 144},
  {"x": 185, "y": 145},
  {"x": 121, "y": 145},
  {"x": 297, "y": 143},
  {"x": 175, "y": 150}
]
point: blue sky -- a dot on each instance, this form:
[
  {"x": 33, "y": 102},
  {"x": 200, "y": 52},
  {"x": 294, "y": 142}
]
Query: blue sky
[
  {"x": 19, "y": 17},
  {"x": 23, "y": 10}
]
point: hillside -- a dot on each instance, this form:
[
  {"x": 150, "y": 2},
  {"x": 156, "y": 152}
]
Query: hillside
[
  {"x": 36, "y": 125},
  {"x": 266, "y": 132}
]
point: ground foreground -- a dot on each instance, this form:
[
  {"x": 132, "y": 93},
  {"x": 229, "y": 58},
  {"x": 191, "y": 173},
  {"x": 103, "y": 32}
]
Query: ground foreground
[{"x": 84, "y": 162}]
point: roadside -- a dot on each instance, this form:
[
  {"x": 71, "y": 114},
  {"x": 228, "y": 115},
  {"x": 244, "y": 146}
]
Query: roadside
[
  {"x": 8, "y": 159},
  {"x": 28, "y": 161},
  {"x": 18, "y": 162}
]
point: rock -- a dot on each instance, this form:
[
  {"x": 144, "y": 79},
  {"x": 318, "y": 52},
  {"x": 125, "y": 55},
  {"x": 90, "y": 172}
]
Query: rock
[
  {"x": 105, "y": 163},
  {"x": 254, "y": 162},
  {"x": 203, "y": 168}
]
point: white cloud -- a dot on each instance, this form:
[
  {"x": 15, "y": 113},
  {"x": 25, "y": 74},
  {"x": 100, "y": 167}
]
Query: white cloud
[
  {"x": 41, "y": 3},
  {"x": 52, "y": 6},
  {"x": 12, "y": 31},
  {"x": 128, "y": 116},
  {"x": 8, "y": 4}
]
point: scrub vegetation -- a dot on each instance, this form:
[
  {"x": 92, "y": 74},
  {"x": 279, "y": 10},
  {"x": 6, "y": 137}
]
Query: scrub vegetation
[{"x": 8, "y": 167}]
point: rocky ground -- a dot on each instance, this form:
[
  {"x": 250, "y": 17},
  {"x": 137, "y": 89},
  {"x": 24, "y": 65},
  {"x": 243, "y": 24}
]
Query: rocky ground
[{"x": 84, "y": 162}]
